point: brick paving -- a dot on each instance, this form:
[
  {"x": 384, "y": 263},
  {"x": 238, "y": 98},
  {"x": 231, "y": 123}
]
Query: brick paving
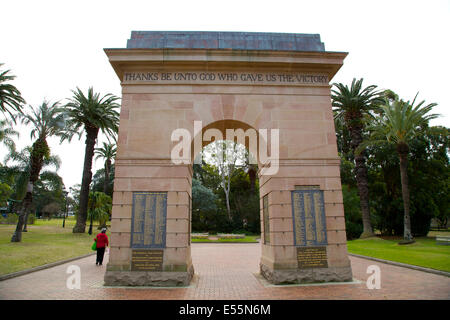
[{"x": 227, "y": 272}]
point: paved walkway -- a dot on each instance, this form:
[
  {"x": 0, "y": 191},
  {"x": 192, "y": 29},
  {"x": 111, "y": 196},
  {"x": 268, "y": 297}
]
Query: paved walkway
[{"x": 227, "y": 271}]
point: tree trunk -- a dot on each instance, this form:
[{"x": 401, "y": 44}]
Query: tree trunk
[
  {"x": 403, "y": 150},
  {"x": 39, "y": 150},
  {"x": 228, "y": 206},
  {"x": 91, "y": 136},
  {"x": 362, "y": 182},
  {"x": 107, "y": 171},
  {"x": 26, "y": 204},
  {"x": 226, "y": 188},
  {"x": 25, "y": 222},
  {"x": 90, "y": 226}
]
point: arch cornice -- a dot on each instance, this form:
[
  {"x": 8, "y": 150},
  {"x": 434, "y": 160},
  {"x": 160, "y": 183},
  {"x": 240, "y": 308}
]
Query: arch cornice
[{"x": 215, "y": 59}]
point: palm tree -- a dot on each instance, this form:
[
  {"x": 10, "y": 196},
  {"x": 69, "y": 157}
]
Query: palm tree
[
  {"x": 6, "y": 134},
  {"x": 351, "y": 106},
  {"x": 400, "y": 122},
  {"x": 10, "y": 97},
  {"x": 90, "y": 114},
  {"x": 107, "y": 152},
  {"x": 46, "y": 121},
  {"x": 99, "y": 208},
  {"x": 22, "y": 172}
]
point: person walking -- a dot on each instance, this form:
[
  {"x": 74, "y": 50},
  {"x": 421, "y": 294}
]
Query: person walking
[{"x": 102, "y": 242}]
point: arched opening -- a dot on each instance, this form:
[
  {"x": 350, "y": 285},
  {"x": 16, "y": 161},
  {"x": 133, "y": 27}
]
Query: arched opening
[
  {"x": 228, "y": 129},
  {"x": 225, "y": 192},
  {"x": 225, "y": 184}
]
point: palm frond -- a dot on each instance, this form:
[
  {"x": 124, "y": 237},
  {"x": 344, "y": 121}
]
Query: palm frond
[
  {"x": 10, "y": 97},
  {"x": 400, "y": 120},
  {"x": 91, "y": 110}
]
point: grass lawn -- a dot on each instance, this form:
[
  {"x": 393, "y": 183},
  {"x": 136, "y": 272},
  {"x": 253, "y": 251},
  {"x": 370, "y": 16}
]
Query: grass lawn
[
  {"x": 45, "y": 242},
  {"x": 424, "y": 252},
  {"x": 246, "y": 239}
]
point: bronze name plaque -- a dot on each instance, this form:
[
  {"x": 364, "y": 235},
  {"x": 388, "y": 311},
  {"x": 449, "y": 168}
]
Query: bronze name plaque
[
  {"x": 312, "y": 257},
  {"x": 308, "y": 214},
  {"x": 148, "y": 221},
  {"x": 146, "y": 260}
]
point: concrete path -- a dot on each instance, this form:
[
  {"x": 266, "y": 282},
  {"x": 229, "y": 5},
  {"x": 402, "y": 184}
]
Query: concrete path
[{"x": 227, "y": 271}]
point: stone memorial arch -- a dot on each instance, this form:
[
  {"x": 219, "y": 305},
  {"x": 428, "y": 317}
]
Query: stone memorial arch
[{"x": 176, "y": 86}]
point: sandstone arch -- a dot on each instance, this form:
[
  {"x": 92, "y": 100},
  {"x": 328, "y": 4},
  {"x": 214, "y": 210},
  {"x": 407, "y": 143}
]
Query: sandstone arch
[{"x": 262, "y": 80}]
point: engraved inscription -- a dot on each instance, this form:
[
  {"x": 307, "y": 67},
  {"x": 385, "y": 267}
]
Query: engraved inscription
[
  {"x": 226, "y": 77},
  {"x": 299, "y": 223},
  {"x": 309, "y": 219},
  {"x": 148, "y": 224},
  {"x": 312, "y": 257},
  {"x": 147, "y": 260},
  {"x": 308, "y": 214},
  {"x": 320, "y": 226}
]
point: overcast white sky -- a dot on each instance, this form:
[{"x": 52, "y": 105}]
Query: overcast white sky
[{"x": 54, "y": 46}]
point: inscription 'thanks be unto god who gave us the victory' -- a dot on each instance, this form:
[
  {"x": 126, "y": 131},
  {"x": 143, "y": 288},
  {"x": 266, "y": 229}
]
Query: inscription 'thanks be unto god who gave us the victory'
[{"x": 226, "y": 77}]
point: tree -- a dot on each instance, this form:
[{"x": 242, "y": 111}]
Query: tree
[
  {"x": 51, "y": 209},
  {"x": 20, "y": 172},
  {"x": 204, "y": 207},
  {"x": 246, "y": 213},
  {"x": 226, "y": 155},
  {"x": 399, "y": 124},
  {"x": 107, "y": 152},
  {"x": 428, "y": 176},
  {"x": 99, "y": 208},
  {"x": 98, "y": 181},
  {"x": 10, "y": 97},
  {"x": 352, "y": 212},
  {"x": 6, "y": 134},
  {"x": 5, "y": 193},
  {"x": 90, "y": 114},
  {"x": 352, "y": 105},
  {"x": 46, "y": 121},
  {"x": 48, "y": 196},
  {"x": 74, "y": 199}
]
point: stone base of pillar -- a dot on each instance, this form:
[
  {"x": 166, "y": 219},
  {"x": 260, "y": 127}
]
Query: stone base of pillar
[
  {"x": 299, "y": 276},
  {"x": 149, "y": 279}
]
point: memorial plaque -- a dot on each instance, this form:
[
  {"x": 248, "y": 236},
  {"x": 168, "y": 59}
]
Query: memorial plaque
[
  {"x": 308, "y": 214},
  {"x": 146, "y": 260},
  {"x": 312, "y": 257},
  {"x": 266, "y": 219},
  {"x": 148, "y": 223}
]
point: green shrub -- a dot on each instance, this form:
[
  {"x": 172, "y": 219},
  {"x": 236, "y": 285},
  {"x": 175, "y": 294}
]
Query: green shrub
[
  {"x": 31, "y": 219},
  {"x": 199, "y": 236},
  {"x": 231, "y": 236},
  {"x": 352, "y": 211},
  {"x": 353, "y": 230},
  {"x": 13, "y": 218}
]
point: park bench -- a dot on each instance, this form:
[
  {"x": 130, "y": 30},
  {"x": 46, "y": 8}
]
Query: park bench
[{"x": 443, "y": 240}]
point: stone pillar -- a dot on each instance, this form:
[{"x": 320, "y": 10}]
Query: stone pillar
[
  {"x": 173, "y": 183},
  {"x": 279, "y": 261}
]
